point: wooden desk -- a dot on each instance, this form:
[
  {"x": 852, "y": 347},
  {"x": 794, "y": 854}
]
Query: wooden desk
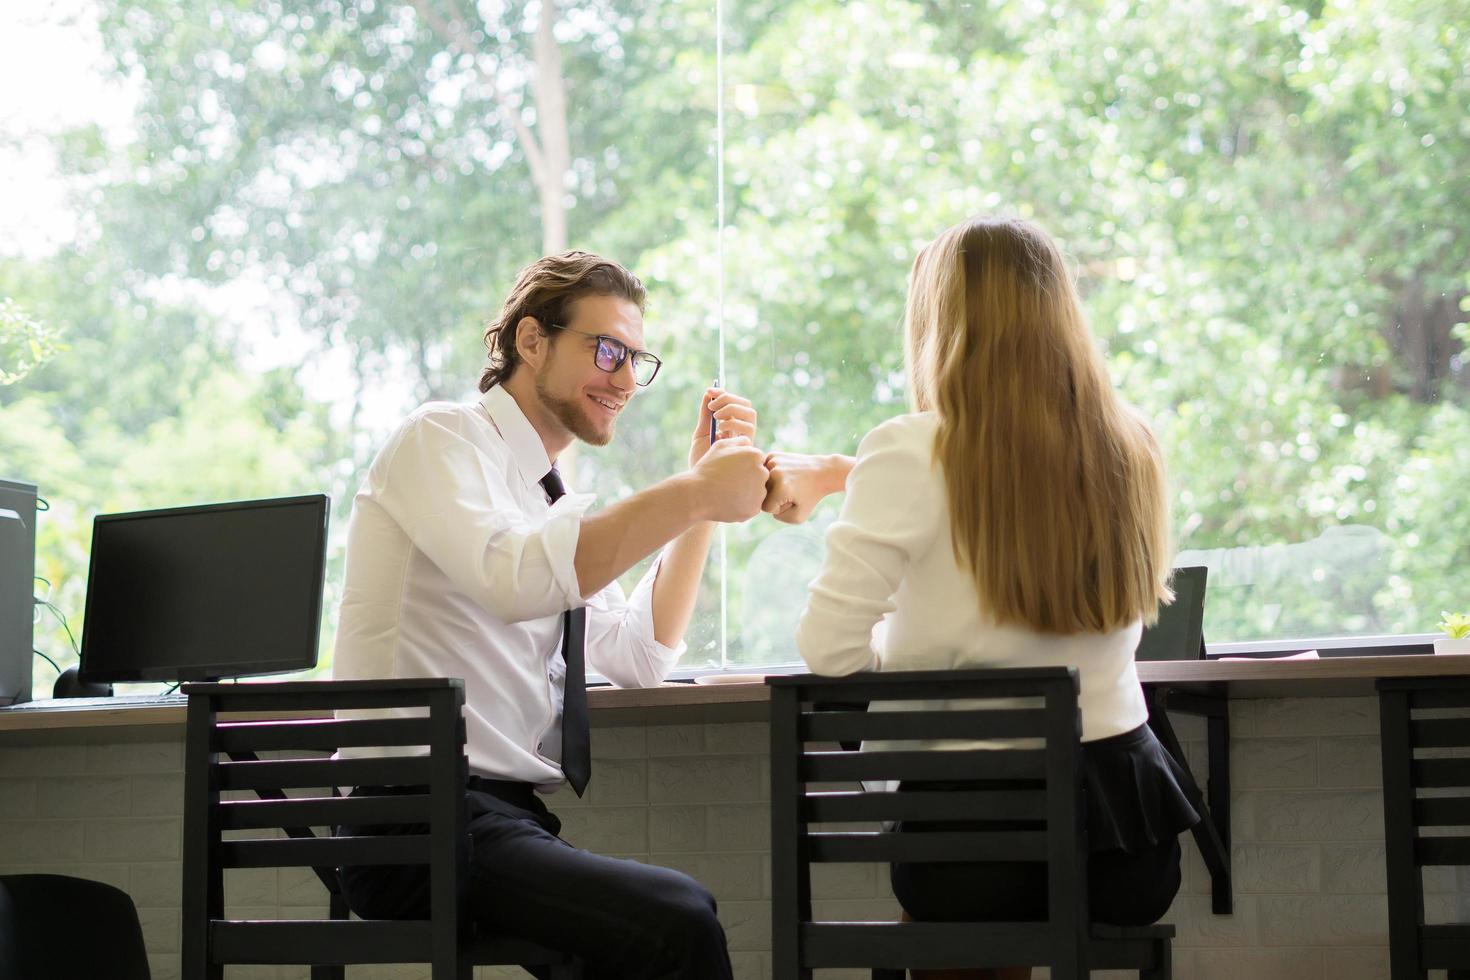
[
  {"x": 1328, "y": 677},
  {"x": 678, "y": 702}
]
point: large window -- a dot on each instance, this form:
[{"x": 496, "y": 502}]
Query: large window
[{"x": 256, "y": 234}]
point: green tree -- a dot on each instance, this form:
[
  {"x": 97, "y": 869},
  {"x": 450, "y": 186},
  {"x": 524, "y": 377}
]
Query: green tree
[{"x": 1266, "y": 204}]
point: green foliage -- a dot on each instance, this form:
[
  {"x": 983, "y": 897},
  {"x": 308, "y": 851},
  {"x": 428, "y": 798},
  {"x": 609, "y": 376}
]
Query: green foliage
[{"x": 1267, "y": 206}]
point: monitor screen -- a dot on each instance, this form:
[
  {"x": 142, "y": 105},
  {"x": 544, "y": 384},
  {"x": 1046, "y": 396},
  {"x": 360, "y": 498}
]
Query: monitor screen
[
  {"x": 1179, "y": 632},
  {"x": 194, "y": 593}
]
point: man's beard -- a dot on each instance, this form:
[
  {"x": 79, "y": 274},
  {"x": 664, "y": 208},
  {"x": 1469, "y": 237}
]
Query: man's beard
[{"x": 572, "y": 415}]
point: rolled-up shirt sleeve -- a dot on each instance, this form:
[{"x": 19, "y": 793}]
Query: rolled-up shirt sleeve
[
  {"x": 888, "y": 517},
  {"x": 457, "y": 508},
  {"x": 620, "y": 640}
]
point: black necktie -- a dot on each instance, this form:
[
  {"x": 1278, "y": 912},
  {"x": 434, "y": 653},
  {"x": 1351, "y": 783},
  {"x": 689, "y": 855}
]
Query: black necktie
[{"x": 576, "y": 739}]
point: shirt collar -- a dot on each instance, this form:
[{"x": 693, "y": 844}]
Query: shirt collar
[{"x": 526, "y": 447}]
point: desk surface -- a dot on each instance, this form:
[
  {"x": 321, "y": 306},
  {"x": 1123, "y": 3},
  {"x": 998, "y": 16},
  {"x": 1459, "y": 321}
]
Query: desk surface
[{"x": 680, "y": 703}]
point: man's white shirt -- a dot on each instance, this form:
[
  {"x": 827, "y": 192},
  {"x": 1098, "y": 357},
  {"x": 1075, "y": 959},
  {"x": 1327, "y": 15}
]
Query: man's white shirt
[{"x": 457, "y": 566}]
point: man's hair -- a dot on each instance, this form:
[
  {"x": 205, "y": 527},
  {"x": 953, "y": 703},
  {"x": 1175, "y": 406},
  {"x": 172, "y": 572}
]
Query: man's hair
[{"x": 546, "y": 290}]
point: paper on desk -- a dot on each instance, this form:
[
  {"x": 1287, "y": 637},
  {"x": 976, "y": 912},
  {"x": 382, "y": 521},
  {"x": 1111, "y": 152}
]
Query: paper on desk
[{"x": 1304, "y": 655}]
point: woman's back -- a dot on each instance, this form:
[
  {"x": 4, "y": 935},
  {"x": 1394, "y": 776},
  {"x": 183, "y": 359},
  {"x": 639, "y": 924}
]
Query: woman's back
[{"x": 891, "y": 560}]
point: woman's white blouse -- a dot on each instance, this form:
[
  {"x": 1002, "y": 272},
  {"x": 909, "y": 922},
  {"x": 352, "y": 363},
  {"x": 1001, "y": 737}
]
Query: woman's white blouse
[{"x": 891, "y": 595}]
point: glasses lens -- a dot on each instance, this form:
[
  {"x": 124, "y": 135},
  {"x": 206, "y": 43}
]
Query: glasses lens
[
  {"x": 645, "y": 366},
  {"x": 610, "y": 354}
]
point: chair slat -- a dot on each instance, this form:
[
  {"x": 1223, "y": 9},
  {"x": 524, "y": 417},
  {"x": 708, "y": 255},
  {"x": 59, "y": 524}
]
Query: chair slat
[
  {"x": 934, "y": 764},
  {"x": 1442, "y": 850},
  {"x": 851, "y": 726},
  {"x": 882, "y": 846},
  {"x": 318, "y": 941},
  {"x": 326, "y": 696},
  {"x": 325, "y": 702},
  {"x": 1131, "y": 953},
  {"x": 1440, "y": 692},
  {"x": 924, "y": 944},
  {"x": 331, "y": 852},
  {"x": 326, "y": 811},
  {"x": 1444, "y": 947},
  {"x": 1442, "y": 811},
  {"x": 839, "y": 807},
  {"x": 385, "y": 771},
  {"x": 908, "y": 686},
  {"x": 326, "y": 734},
  {"x": 1441, "y": 773},
  {"x": 1100, "y": 932},
  {"x": 1437, "y": 733}
]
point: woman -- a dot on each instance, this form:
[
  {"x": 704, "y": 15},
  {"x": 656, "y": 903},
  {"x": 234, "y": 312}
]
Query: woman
[{"x": 1017, "y": 518}]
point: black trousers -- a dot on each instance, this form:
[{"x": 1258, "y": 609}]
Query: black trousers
[{"x": 623, "y": 919}]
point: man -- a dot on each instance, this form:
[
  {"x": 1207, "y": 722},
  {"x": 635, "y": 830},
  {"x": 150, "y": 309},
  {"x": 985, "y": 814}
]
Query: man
[{"x": 466, "y": 558}]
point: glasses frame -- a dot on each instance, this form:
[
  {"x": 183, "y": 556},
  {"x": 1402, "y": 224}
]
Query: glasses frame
[{"x": 618, "y": 351}]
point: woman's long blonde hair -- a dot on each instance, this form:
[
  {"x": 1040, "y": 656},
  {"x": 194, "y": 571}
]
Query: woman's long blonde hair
[{"x": 1056, "y": 488}]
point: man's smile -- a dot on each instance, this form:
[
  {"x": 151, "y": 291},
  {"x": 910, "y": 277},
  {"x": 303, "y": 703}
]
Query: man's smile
[{"x": 611, "y": 406}]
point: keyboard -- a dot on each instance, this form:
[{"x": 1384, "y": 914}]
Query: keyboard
[{"x": 116, "y": 701}]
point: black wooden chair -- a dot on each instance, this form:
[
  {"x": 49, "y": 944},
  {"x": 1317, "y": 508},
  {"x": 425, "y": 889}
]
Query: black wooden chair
[
  {"x": 1426, "y": 810},
  {"x": 1049, "y": 806},
  {"x": 293, "y": 722},
  {"x": 65, "y": 928}
]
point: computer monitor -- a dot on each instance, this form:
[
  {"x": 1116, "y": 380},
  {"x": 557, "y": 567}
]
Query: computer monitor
[
  {"x": 200, "y": 593},
  {"x": 17, "y": 589},
  {"x": 1179, "y": 632}
]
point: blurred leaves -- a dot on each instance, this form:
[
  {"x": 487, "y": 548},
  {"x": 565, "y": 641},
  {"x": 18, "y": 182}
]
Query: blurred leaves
[{"x": 24, "y": 342}]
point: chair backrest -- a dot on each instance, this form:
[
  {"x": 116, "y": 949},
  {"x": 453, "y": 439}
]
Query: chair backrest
[
  {"x": 65, "y": 928},
  {"x": 1425, "y": 732},
  {"x": 229, "y": 725},
  {"x": 1027, "y": 783}
]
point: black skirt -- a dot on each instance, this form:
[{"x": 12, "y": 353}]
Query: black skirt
[
  {"x": 1134, "y": 791},
  {"x": 1136, "y": 809}
]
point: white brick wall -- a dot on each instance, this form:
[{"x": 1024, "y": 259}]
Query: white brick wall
[{"x": 1307, "y": 820}]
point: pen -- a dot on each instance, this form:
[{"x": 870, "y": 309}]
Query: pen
[{"x": 713, "y": 433}]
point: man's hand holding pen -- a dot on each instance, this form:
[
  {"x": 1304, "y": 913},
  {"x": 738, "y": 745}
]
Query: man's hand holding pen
[
  {"x": 729, "y": 470},
  {"x": 722, "y": 415}
]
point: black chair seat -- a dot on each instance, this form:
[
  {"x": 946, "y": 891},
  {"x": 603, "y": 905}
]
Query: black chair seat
[
  {"x": 65, "y": 928},
  {"x": 347, "y": 942}
]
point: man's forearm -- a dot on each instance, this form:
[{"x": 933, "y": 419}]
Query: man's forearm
[
  {"x": 616, "y": 538},
  {"x": 676, "y": 589}
]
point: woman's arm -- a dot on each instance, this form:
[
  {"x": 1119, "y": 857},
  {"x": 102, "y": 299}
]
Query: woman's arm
[
  {"x": 798, "y": 482},
  {"x": 893, "y": 512}
]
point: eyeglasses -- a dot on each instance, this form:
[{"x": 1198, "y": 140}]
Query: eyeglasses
[{"x": 613, "y": 353}]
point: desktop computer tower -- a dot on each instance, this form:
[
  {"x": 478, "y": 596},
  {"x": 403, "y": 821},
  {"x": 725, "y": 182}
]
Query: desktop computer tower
[{"x": 17, "y": 589}]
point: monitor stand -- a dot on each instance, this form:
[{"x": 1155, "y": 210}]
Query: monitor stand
[{"x": 70, "y": 685}]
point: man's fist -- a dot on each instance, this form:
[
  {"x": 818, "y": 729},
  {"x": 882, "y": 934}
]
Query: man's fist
[{"x": 731, "y": 480}]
